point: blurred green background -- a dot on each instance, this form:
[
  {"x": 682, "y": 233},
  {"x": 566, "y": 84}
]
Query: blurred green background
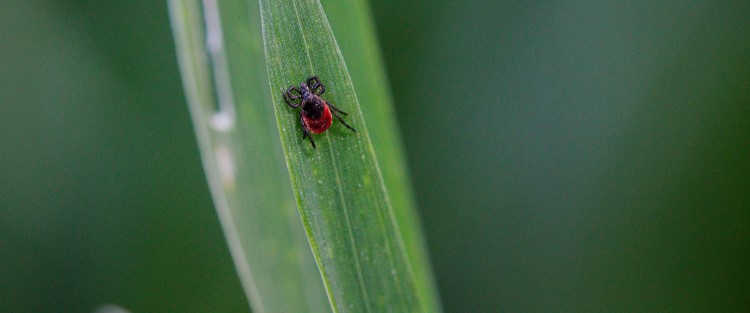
[{"x": 567, "y": 157}]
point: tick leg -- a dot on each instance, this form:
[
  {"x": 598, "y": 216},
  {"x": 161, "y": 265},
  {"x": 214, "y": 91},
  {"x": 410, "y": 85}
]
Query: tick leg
[
  {"x": 289, "y": 97},
  {"x": 304, "y": 130},
  {"x": 335, "y": 108},
  {"x": 342, "y": 121},
  {"x": 314, "y": 84}
]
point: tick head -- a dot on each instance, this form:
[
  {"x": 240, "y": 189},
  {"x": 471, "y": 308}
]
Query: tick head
[{"x": 305, "y": 89}]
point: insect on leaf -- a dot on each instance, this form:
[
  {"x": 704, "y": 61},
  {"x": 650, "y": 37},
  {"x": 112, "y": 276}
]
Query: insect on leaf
[{"x": 339, "y": 187}]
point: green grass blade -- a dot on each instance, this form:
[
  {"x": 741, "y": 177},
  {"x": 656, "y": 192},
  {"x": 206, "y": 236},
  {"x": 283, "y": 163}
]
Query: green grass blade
[
  {"x": 227, "y": 92},
  {"x": 345, "y": 207},
  {"x": 359, "y": 46}
]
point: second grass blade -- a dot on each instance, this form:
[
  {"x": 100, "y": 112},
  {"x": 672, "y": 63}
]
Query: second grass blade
[
  {"x": 220, "y": 54},
  {"x": 339, "y": 187}
]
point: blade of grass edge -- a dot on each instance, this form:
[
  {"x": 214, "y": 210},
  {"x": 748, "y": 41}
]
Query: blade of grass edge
[
  {"x": 247, "y": 179},
  {"x": 360, "y": 49},
  {"x": 339, "y": 187}
]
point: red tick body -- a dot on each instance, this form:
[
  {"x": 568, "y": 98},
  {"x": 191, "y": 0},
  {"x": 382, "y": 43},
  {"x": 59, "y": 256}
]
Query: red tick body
[
  {"x": 317, "y": 125},
  {"x": 315, "y": 113}
]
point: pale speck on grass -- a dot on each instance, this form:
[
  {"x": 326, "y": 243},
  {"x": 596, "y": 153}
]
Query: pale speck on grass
[
  {"x": 227, "y": 168},
  {"x": 222, "y": 121}
]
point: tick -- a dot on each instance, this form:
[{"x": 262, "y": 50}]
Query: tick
[{"x": 315, "y": 113}]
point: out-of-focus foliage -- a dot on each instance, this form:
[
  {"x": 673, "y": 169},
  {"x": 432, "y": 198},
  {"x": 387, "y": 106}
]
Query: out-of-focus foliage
[
  {"x": 102, "y": 195},
  {"x": 578, "y": 157}
]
